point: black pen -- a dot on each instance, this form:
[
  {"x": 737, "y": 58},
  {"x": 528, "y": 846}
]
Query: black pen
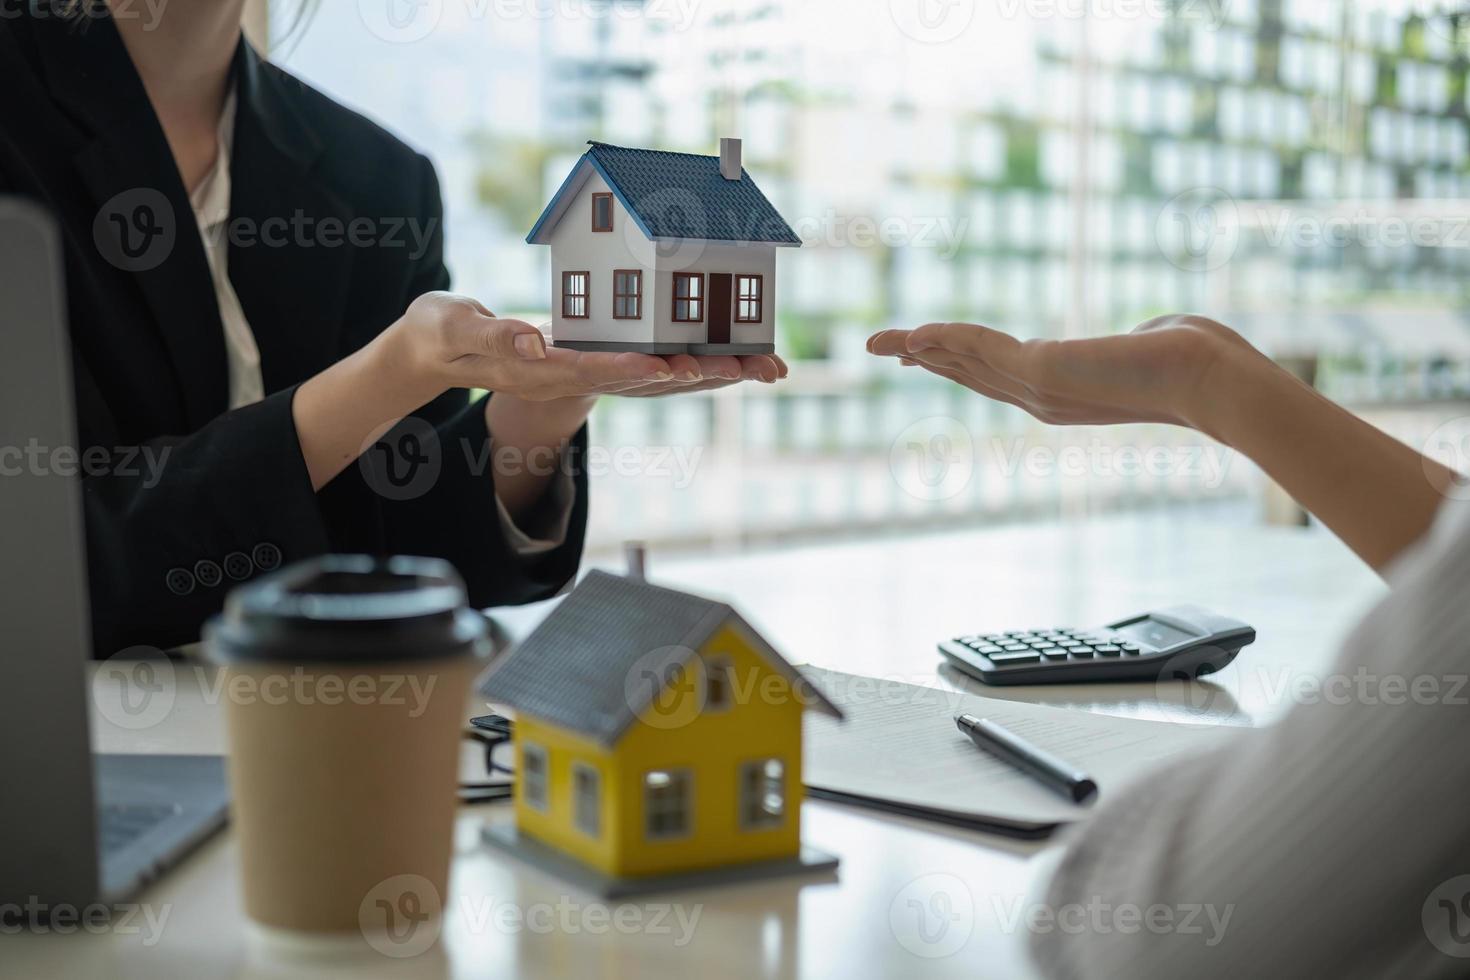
[{"x": 1072, "y": 783}]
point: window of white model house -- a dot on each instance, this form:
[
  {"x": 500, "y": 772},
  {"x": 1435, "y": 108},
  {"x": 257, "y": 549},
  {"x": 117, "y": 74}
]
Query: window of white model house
[
  {"x": 574, "y": 289},
  {"x": 627, "y": 294},
  {"x": 688, "y": 297},
  {"x": 762, "y": 794},
  {"x": 586, "y": 799},
  {"x": 667, "y": 803},
  {"x": 533, "y": 775},
  {"x": 602, "y": 212},
  {"x": 748, "y": 299}
]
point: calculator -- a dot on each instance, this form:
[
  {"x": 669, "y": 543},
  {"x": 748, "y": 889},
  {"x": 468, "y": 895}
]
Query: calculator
[{"x": 1180, "y": 641}]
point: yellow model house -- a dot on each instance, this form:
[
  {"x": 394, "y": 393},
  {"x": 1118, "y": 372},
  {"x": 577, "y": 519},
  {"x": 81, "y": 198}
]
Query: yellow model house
[{"x": 656, "y": 734}]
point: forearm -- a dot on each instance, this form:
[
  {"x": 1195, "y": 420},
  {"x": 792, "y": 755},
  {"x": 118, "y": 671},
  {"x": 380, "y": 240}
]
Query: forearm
[
  {"x": 528, "y": 441},
  {"x": 340, "y": 412},
  {"x": 1374, "y": 492}
]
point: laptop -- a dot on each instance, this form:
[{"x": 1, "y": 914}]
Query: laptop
[{"x": 78, "y": 828}]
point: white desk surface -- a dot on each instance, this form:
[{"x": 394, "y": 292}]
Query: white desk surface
[{"x": 873, "y": 607}]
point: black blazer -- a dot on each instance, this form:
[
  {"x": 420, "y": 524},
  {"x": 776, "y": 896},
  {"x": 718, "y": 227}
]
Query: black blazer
[{"x": 232, "y": 498}]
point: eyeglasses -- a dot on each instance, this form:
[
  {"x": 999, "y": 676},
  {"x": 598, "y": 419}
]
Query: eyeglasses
[{"x": 491, "y": 732}]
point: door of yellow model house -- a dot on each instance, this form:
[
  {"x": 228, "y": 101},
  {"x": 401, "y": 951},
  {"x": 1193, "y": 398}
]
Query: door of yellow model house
[{"x": 710, "y": 774}]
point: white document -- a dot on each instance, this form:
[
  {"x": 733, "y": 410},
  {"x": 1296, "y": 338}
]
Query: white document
[{"x": 899, "y": 747}]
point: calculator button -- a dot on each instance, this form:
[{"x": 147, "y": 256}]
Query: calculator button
[
  {"x": 1108, "y": 650},
  {"x": 1013, "y": 647},
  {"x": 1006, "y": 659},
  {"x": 1080, "y": 653},
  {"x": 1043, "y": 646},
  {"x": 986, "y": 648},
  {"x": 1054, "y": 655},
  {"x": 1129, "y": 647}
]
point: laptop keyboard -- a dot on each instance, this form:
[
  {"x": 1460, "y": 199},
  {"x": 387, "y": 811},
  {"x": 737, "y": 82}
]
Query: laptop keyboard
[{"x": 122, "y": 823}]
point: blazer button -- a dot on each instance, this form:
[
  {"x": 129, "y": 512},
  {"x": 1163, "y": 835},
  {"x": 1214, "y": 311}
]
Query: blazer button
[
  {"x": 238, "y": 566},
  {"x": 208, "y": 573},
  {"x": 267, "y": 557},
  {"x": 179, "y": 581}
]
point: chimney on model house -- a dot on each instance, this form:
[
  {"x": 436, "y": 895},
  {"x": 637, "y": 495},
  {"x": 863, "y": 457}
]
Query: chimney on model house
[{"x": 730, "y": 158}]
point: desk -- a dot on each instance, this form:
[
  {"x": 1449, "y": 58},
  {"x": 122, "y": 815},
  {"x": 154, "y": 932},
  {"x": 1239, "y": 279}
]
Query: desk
[{"x": 871, "y": 607}]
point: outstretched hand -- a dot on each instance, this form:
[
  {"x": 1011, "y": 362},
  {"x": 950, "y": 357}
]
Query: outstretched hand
[
  {"x": 1159, "y": 372},
  {"x": 464, "y": 345}
]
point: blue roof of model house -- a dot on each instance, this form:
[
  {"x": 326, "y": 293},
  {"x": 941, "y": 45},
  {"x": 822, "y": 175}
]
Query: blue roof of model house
[{"x": 674, "y": 195}]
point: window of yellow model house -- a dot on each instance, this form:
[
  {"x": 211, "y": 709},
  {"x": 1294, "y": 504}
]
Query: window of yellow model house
[
  {"x": 602, "y": 212},
  {"x": 574, "y": 289},
  {"x": 762, "y": 794},
  {"x": 719, "y": 677},
  {"x": 666, "y": 803},
  {"x": 627, "y": 294},
  {"x": 533, "y": 775},
  {"x": 748, "y": 298},
  {"x": 587, "y": 799},
  {"x": 688, "y": 297}
]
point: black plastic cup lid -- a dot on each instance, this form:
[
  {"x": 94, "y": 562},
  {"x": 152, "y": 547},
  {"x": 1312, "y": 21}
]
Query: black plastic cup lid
[{"x": 346, "y": 609}]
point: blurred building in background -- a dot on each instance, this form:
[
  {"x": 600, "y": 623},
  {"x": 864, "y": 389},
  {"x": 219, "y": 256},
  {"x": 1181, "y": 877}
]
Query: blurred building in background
[{"x": 1297, "y": 168}]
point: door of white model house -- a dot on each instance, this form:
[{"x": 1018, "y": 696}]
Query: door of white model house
[{"x": 720, "y": 294}]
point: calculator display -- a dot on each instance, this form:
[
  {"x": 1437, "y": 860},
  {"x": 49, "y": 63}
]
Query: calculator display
[{"x": 1154, "y": 633}]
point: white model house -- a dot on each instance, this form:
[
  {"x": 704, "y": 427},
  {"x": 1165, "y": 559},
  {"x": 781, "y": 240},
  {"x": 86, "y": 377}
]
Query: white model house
[{"x": 663, "y": 253}]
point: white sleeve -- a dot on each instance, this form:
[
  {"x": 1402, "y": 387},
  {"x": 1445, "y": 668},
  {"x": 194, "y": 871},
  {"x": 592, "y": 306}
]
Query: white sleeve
[
  {"x": 550, "y": 531},
  {"x": 1334, "y": 844}
]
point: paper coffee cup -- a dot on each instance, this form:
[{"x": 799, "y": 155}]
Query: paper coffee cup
[{"x": 346, "y": 681}]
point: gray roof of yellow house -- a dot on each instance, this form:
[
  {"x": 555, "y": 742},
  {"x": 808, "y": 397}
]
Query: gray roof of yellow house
[{"x": 585, "y": 668}]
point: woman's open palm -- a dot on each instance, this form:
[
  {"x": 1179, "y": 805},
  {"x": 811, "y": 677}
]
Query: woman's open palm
[{"x": 1158, "y": 372}]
